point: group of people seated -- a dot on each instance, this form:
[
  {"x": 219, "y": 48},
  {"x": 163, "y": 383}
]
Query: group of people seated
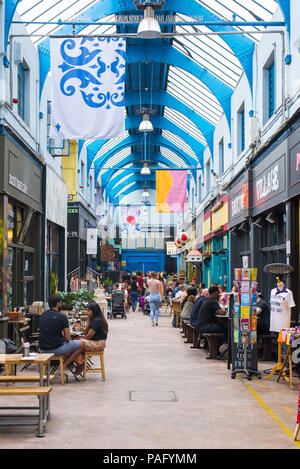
[
  {"x": 204, "y": 308},
  {"x": 55, "y": 334}
]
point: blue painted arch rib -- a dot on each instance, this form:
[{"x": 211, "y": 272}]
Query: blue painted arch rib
[{"x": 131, "y": 141}]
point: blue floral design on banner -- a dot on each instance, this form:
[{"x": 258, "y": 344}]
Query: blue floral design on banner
[{"x": 86, "y": 71}]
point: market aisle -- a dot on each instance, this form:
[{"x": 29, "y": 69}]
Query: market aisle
[{"x": 210, "y": 411}]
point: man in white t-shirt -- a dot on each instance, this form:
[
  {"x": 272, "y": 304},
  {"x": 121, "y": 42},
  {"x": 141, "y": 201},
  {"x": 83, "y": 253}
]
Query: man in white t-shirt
[{"x": 281, "y": 302}]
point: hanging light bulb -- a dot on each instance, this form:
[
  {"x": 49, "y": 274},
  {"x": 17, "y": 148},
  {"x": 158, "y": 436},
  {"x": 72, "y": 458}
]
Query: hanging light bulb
[
  {"x": 149, "y": 27},
  {"x": 146, "y": 192},
  {"x": 145, "y": 170},
  {"x": 146, "y": 125}
]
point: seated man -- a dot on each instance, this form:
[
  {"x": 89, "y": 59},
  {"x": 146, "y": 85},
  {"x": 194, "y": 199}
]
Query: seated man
[
  {"x": 55, "y": 333},
  {"x": 197, "y": 305},
  {"x": 207, "y": 322}
]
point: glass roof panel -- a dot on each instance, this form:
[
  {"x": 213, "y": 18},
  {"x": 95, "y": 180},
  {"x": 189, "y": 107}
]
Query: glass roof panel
[
  {"x": 184, "y": 122},
  {"x": 125, "y": 188},
  {"x": 124, "y": 178},
  {"x": 210, "y": 52},
  {"x": 120, "y": 171},
  {"x": 179, "y": 142},
  {"x": 192, "y": 92},
  {"x": 173, "y": 157},
  {"x": 110, "y": 144},
  {"x": 64, "y": 10},
  {"x": 116, "y": 159},
  {"x": 242, "y": 10}
]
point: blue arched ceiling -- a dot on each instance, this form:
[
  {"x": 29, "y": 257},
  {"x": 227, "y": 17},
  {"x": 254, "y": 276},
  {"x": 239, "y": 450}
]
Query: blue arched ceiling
[
  {"x": 133, "y": 158},
  {"x": 163, "y": 55},
  {"x": 131, "y": 141}
]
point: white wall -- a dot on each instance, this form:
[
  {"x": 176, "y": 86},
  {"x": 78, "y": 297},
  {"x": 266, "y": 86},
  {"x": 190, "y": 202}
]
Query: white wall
[{"x": 255, "y": 126}]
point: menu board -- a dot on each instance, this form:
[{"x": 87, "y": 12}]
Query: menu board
[{"x": 244, "y": 320}]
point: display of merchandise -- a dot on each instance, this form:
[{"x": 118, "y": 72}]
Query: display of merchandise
[
  {"x": 281, "y": 302},
  {"x": 244, "y": 323}
]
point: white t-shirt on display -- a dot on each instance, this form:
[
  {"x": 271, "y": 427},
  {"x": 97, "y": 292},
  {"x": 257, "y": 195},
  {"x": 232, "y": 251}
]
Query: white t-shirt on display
[{"x": 280, "y": 306}]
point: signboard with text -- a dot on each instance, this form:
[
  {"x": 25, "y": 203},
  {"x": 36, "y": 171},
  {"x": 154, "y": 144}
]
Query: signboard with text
[{"x": 269, "y": 181}]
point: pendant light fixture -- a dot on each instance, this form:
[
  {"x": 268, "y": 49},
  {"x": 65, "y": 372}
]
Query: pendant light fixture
[
  {"x": 145, "y": 171},
  {"x": 149, "y": 27},
  {"x": 146, "y": 192},
  {"x": 146, "y": 125}
]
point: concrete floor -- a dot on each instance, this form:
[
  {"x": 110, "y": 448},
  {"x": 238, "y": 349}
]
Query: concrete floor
[{"x": 210, "y": 411}]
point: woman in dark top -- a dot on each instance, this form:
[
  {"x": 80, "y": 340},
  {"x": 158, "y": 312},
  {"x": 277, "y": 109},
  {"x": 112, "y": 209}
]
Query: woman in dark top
[
  {"x": 95, "y": 333},
  {"x": 133, "y": 290}
]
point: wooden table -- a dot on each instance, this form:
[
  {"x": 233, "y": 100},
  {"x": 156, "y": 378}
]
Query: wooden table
[
  {"x": 16, "y": 329},
  {"x": 43, "y": 361}
]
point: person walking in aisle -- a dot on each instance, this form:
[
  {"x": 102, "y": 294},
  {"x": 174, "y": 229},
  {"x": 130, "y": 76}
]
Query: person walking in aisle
[
  {"x": 156, "y": 294},
  {"x": 133, "y": 290}
]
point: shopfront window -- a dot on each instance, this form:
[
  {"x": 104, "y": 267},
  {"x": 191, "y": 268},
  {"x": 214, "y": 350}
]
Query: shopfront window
[
  {"x": 52, "y": 263},
  {"x": 10, "y": 278},
  {"x": 20, "y": 256},
  {"x": 272, "y": 235}
]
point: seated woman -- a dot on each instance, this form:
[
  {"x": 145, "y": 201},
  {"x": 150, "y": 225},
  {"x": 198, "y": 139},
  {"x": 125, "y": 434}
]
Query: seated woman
[
  {"x": 191, "y": 293},
  {"x": 95, "y": 333}
]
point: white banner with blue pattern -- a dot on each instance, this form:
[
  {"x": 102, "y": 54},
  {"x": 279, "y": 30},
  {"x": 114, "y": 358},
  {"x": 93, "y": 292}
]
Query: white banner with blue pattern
[{"x": 88, "y": 78}]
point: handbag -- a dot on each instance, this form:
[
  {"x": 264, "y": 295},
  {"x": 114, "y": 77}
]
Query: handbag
[{"x": 10, "y": 346}]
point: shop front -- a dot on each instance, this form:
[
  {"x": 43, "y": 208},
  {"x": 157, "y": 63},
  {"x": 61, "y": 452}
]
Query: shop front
[
  {"x": 79, "y": 220},
  {"x": 55, "y": 233},
  {"x": 219, "y": 242},
  {"x": 20, "y": 224},
  {"x": 207, "y": 260},
  {"x": 293, "y": 248},
  {"x": 239, "y": 225},
  {"x": 269, "y": 236}
]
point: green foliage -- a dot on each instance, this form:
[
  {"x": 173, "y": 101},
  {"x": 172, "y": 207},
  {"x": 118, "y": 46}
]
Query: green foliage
[
  {"x": 53, "y": 283},
  {"x": 81, "y": 296}
]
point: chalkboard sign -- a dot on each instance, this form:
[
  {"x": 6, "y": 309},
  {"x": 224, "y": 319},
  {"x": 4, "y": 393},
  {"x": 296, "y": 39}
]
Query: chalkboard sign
[{"x": 238, "y": 356}]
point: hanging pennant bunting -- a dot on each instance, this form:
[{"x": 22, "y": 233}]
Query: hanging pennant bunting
[
  {"x": 88, "y": 78},
  {"x": 171, "y": 187}
]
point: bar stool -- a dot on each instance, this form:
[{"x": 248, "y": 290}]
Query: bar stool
[
  {"x": 86, "y": 370},
  {"x": 60, "y": 359}
]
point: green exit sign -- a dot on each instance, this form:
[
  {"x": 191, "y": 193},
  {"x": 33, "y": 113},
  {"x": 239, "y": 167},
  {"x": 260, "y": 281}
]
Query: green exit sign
[{"x": 72, "y": 210}]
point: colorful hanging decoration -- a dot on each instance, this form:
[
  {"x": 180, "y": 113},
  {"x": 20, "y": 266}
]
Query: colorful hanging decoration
[
  {"x": 87, "y": 87},
  {"x": 171, "y": 191}
]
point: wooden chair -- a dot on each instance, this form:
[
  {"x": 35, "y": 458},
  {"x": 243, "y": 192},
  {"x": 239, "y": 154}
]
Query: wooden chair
[
  {"x": 60, "y": 359},
  {"x": 86, "y": 370},
  {"x": 176, "y": 308}
]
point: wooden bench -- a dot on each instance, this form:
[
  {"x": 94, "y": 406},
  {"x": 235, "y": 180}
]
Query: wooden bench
[
  {"x": 184, "y": 324},
  {"x": 212, "y": 339},
  {"x": 43, "y": 394},
  {"x": 267, "y": 347},
  {"x": 23, "y": 378},
  {"x": 176, "y": 309}
]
